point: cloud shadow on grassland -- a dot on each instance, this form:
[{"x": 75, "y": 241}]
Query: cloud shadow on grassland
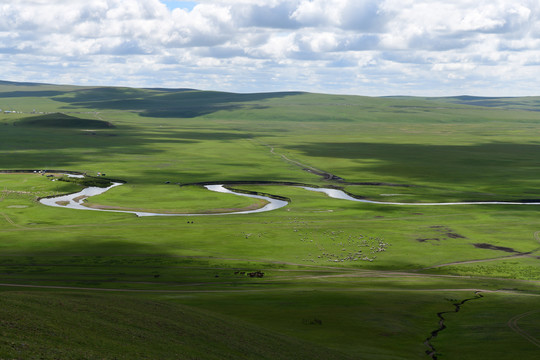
[
  {"x": 477, "y": 165},
  {"x": 165, "y": 103},
  {"x": 37, "y": 93},
  {"x": 75, "y": 260},
  {"x": 185, "y": 136},
  {"x": 39, "y": 147}
]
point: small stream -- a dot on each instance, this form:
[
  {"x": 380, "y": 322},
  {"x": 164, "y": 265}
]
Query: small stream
[{"x": 432, "y": 352}]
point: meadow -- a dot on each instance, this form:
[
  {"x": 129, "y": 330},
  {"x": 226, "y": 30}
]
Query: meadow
[{"x": 336, "y": 279}]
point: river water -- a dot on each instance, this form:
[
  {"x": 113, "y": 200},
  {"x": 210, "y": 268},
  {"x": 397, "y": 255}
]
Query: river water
[
  {"x": 75, "y": 201},
  {"x": 339, "y": 194}
]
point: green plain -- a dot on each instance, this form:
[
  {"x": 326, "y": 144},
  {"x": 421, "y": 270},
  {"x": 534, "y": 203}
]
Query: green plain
[{"x": 342, "y": 280}]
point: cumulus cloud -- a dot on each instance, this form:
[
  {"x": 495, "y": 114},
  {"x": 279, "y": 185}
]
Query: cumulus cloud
[
  {"x": 356, "y": 46},
  {"x": 362, "y": 15}
]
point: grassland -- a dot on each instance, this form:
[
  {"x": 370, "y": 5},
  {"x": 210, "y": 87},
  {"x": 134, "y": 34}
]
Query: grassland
[{"x": 341, "y": 279}]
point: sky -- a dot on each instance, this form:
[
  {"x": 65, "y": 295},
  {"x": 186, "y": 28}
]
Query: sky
[{"x": 358, "y": 47}]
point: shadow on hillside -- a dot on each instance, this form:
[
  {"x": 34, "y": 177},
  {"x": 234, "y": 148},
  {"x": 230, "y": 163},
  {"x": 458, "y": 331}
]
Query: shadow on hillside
[
  {"x": 36, "y": 147},
  {"x": 74, "y": 261},
  {"x": 169, "y": 136},
  {"x": 12, "y": 83},
  {"x": 493, "y": 164},
  {"x": 165, "y": 103},
  {"x": 44, "y": 93},
  {"x": 510, "y": 103},
  {"x": 235, "y": 172}
]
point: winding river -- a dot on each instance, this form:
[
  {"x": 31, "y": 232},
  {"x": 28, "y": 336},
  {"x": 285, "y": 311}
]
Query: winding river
[
  {"x": 75, "y": 201},
  {"x": 339, "y": 194}
]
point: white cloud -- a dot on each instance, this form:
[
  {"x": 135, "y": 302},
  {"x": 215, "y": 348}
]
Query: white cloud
[
  {"x": 358, "y": 46},
  {"x": 366, "y": 15}
]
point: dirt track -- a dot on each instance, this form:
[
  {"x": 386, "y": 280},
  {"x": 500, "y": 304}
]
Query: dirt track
[
  {"x": 28, "y": 286},
  {"x": 8, "y": 219},
  {"x": 325, "y": 175},
  {"x": 474, "y": 261},
  {"x": 513, "y": 324}
]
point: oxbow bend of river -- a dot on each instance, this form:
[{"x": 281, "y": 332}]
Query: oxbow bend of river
[{"x": 75, "y": 201}]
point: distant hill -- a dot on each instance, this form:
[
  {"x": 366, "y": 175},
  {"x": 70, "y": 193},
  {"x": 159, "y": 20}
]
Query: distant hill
[
  {"x": 59, "y": 120},
  {"x": 189, "y": 103},
  {"x": 530, "y": 103},
  {"x": 527, "y": 103},
  {"x": 12, "y": 83}
]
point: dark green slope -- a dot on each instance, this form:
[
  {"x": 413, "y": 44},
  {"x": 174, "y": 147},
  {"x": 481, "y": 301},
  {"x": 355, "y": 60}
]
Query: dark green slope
[
  {"x": 58, "y": 120},
  {"x": 40, "y": 325}
]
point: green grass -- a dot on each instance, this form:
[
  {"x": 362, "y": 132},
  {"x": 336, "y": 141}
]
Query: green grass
[
  {"x": 38, "y": 325},
  {"x": 171, "y": 198},
  {"x": 341, "y": 279},
  {"x": 485, "y": 321},
  {"x": 32, "y": 186}
]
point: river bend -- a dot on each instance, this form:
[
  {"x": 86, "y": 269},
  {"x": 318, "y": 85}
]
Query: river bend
[{"x": 75, "y": 201}]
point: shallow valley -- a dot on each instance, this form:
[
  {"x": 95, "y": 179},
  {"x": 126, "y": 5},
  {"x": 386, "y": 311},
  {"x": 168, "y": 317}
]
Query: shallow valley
[{"x": 319, "y": 278}]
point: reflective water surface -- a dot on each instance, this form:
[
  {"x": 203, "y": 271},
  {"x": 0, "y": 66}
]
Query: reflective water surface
[
  {"x": 75, "y": 201},
  {"x": 339, "y": 194}
]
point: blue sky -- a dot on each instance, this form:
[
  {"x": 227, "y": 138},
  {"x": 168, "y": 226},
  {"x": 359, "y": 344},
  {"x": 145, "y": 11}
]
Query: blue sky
[
  {"x": 180, "y": 4},
  {"x": 364, "y": 47}
]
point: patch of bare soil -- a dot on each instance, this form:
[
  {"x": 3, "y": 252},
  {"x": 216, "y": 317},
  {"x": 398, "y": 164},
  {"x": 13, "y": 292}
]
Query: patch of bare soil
[
  {"x": 427, "y": 239},
  {"x": 455, "y": 235},
  {"x": 441, "y": 233},
  {"x": 447, "y": 232},
  {"x": 80, "y": 198},
  {"x": 494, "y": 247}
]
